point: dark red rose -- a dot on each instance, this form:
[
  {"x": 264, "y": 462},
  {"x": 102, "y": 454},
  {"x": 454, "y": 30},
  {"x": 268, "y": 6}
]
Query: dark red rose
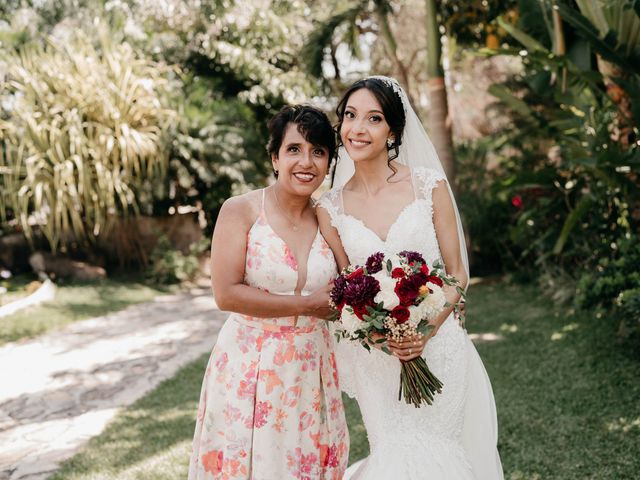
[
  {"x": 419, "y": 279},
  {"x": 397, "y": 273},
  {"x": 436, "y": 280},
  {"x": 409, "y": 288},
  {"x": 356, "y": 273},
  {"x": 400, "y": 313},
  {"x": 424, "y": 269},
  {"x": 406, "y": 291}
]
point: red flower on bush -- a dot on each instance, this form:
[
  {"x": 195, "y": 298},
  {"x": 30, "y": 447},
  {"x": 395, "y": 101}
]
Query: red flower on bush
[{"x": 516, "y": 201}]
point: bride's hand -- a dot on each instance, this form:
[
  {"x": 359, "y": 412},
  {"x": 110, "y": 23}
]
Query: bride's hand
[{"x": 409, "y": 347}]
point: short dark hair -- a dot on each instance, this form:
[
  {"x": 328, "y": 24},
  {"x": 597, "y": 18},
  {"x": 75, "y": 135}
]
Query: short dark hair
[
  {"x": 312, "y": 123},
  {"x": 390, "y": 102}
]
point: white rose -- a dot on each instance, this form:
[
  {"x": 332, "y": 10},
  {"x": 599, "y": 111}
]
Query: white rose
[
  {"x": 416, "y": 314},
  {"x": 386, "y": 295},
  {"x": 350, "y": 323},
  {"x": 434, "y": 302},
  {"x": 429, "y": 308}
]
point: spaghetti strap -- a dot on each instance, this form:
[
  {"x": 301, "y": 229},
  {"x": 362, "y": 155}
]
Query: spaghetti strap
[{"x": 262, "y": 204}]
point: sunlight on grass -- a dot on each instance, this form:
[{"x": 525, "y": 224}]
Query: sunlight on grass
[
  {"x": 624, "y": 425},
  {"x": 509, "y": 328},
  {"x": 561, "y": 334},
  {"x": 549, "y": 396}
]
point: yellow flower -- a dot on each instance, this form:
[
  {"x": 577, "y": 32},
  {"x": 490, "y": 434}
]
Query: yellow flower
[{"x": 424, "y": 290}]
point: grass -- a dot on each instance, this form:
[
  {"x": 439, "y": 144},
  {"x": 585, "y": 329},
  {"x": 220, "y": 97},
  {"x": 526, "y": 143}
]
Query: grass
[
  {"x": 566, "y": 390},
  {"x": 74, "y": 301}
]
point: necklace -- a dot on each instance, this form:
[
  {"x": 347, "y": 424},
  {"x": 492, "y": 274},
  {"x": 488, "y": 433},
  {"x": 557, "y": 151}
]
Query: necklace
[{"x": 294, "y": 225}]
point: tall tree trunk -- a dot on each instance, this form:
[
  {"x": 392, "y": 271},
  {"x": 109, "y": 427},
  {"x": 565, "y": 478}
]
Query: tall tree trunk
[
  {"x": 559, "y": 45},
  {"x": 439, "y": 119},
  {"x": 392, "y": 47}
]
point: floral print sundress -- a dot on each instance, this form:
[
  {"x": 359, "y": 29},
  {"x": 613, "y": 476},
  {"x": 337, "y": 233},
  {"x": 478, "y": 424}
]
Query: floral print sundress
[{"x": 270, "y": 406}]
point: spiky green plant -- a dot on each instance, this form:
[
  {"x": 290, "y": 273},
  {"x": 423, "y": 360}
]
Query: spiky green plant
[{"x": 82, "y": 136}]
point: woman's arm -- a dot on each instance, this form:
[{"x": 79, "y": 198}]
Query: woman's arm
[
  {"x": 228, "y": 257},
  {"x": 446, "y": 227},
  {"x": 331, "y": 235}
]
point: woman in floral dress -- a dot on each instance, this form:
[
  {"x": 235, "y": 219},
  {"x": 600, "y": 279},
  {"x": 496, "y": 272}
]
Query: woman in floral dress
[{"x": 270, "y": 406}]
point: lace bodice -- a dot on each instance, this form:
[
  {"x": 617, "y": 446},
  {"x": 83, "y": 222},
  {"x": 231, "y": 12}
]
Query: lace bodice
[
  {"x": 412, "y": 230},
  {"x": 373, "y": 378}
]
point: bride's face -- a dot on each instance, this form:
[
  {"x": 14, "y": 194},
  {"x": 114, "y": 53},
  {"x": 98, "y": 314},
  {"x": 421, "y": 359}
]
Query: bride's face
[{"x": 364, "y": 130}]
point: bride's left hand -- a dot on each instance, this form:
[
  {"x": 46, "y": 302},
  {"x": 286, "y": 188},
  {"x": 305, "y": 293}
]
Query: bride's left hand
[{"x": 409, "y": 347}]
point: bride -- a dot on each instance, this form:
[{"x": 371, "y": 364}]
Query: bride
[{"x": 390, "y": 194}]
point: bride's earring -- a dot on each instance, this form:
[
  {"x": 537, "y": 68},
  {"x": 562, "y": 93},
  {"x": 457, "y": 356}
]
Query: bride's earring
[{"x": 390, "y": 143}]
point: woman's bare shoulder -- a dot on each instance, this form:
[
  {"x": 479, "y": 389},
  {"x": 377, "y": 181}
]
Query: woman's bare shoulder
[{"x": 244, "y": 207}]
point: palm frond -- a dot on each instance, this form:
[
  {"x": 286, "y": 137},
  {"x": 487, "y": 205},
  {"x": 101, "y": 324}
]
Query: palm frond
[{"x": 313, "y": 51}]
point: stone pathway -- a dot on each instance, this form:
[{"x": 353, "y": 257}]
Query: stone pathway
[{"x": 60, "y": 389}]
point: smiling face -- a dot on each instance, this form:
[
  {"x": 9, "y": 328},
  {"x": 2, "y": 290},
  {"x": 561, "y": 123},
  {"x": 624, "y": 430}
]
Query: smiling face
[
  {"x": 364, "y": 130},
  {"x": 301, "y": 165}
]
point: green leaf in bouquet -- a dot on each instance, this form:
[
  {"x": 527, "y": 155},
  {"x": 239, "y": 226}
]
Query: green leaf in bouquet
[
  {"x": 450, "y": 281},
  {"x": 389, "y": 266},
  {"x": 378, "y": 323},
  {"x": 386, "y": 350},
  {"x": 425, "y": 328}
]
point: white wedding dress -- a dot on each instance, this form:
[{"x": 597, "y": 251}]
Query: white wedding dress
[{"x": 453, "y": 439}]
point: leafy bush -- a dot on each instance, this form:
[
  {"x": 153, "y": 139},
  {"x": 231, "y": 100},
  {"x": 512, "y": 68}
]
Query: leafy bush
[
  {"x": 570, "y": 158},
  {"x": 486, "y": 210},
  {"x": 614, "y": 283},
  {"x": 168, "y": 265},
  {"x": 84, "y": 129}
]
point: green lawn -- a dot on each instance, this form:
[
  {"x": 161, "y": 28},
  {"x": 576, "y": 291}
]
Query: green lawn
[
  {"x": 73, "y": 302},
  {"x": 567, "y": 394}
]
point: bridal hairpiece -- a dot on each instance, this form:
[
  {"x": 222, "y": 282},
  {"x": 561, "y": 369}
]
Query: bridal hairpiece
[{"x": 393, "y": 84}]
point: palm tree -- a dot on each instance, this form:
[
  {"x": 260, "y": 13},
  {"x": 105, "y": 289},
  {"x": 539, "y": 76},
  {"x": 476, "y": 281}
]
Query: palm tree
[
  {"x": 345, "y": 26},
  {"x": 439, "y": 120}
]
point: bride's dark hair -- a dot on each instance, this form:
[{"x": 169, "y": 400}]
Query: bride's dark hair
[{"x": 391, "y": 108}]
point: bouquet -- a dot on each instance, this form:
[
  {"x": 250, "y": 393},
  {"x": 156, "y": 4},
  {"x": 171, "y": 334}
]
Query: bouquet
[{"x": 395, "y": 297}]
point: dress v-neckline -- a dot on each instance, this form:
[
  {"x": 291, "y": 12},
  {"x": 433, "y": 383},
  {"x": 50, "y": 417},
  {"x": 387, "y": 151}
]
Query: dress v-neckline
[
  {"x": 389, "y": 231},
  {"x": 265, "y": 220}
]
